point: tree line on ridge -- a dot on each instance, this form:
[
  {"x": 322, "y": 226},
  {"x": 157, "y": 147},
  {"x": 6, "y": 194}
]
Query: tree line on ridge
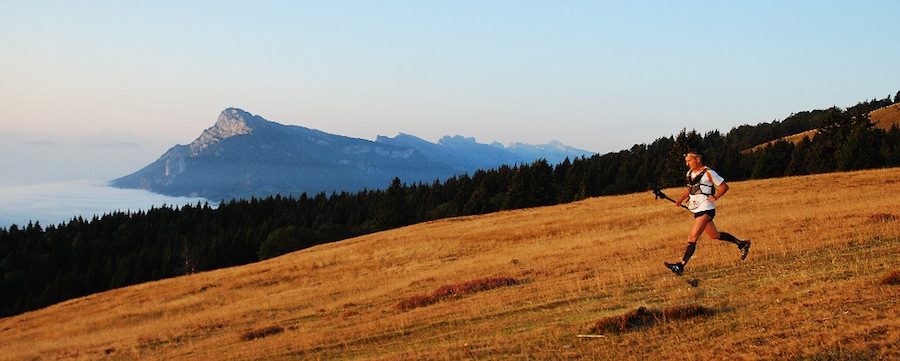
[{"x": 42, "y": 265}]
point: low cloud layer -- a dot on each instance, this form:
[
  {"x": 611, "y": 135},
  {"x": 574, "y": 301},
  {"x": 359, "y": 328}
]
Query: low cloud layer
[{"x": 54, "y": 203}]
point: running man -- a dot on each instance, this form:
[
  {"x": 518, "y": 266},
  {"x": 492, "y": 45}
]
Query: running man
[{"x": 704, "y": 187}]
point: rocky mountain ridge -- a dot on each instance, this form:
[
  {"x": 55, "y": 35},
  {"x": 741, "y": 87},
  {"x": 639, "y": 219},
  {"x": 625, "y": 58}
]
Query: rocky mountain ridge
[{"x": 244, "y": 155}]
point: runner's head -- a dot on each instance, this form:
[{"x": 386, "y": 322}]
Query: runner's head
[{"x": 693, "y": 159}]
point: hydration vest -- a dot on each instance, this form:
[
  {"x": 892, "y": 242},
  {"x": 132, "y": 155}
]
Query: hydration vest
[{"x": 697, "y": 187}]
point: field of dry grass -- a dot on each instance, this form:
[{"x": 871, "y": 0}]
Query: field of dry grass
[{"x": 817, "y": 285}]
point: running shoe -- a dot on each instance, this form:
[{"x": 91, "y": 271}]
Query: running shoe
[
  {"x": 678, "y": 268},
  {"x": 745, "y": 248}
]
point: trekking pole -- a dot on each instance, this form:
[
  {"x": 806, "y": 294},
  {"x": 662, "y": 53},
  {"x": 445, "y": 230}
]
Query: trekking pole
[{"x": 659, "y": 194}]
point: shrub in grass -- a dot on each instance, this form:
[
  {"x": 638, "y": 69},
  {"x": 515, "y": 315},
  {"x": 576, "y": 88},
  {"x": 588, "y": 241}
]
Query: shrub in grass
[
  {"x": 455, "y": 291},
  {"x": 884, "y": 217},
  {"x": 892, "y": 278},
  {"x": 262, "y": 332},
  {"x": 646, "y": 317}
]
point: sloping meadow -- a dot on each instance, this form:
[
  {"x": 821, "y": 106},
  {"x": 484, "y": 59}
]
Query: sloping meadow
[{"x": 819, "y": 283}]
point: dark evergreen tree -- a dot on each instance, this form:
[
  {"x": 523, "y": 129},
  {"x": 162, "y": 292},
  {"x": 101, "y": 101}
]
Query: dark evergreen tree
[
  {"x": 799, "y": 158},
  {"x": 573, "y": 184},
  {"x": 674, "y": 162},
  {"x": 517, "y": 193},
  {"x": 541, "y": 189},
  {"x": 861, "y": 149},
  {"x": 773, "y": 160},
  {"x": 285, "y": 240}
]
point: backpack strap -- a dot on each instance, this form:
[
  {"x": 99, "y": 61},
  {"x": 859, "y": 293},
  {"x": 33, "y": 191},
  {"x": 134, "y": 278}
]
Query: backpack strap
[
  {"x": 694, "y": 183},
  {"x": 711, "y": 181},
  {"x": 696, "y": 179}
]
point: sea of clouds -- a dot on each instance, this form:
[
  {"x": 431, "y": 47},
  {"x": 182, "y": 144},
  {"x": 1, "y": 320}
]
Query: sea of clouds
[
  {"x": 54, "y": 181},
  {"x": 58, "y": 202}
]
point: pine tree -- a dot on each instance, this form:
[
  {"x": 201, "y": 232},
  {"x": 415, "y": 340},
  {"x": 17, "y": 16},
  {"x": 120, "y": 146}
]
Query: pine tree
[
  {"x": 861, "y": 149},
  {"x": 674, "y": 164},
  {"x": 773, "y": 160},
  {"x": 799, "y": 158}
]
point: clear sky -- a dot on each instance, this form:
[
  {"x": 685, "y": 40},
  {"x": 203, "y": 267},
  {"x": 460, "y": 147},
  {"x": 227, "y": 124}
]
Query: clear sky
[{"x": 597, "y": 75}]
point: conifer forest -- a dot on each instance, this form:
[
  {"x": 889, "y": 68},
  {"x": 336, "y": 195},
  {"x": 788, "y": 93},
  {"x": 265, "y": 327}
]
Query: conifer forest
[{"x": 44, "y": 264}]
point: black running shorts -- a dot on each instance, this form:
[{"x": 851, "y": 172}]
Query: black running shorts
[{"x": 711, "y": 213}]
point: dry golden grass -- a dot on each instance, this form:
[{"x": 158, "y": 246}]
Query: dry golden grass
[
  {"x": 793, "y": 139},
  {"x": 886, "y": 117},
  {"x": 811, "y": 288}
]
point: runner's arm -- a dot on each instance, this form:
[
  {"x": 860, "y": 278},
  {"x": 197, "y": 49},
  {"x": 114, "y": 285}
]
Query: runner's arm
[
  {"x": 720, "y": 191},
  {"x": 687, "y": 193}
]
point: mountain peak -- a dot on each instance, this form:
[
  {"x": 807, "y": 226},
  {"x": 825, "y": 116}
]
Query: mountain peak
[
  {"x": 553, "y": 144},
  {"x": 457, "y": 141},
  {"x": 231, "y": 122}
]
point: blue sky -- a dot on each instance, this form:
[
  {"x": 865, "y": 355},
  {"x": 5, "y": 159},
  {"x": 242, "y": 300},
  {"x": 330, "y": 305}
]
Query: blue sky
[{"x": 597, "y": 75}]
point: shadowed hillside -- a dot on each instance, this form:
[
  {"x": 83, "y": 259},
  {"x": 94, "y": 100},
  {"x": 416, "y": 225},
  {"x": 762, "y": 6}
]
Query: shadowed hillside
[{"x": 524, "y": 284}]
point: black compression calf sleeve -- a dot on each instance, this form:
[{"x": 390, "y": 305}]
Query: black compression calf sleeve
[
  {"x": 727, "y": 237},
  {"x": 689, "y": 252}
]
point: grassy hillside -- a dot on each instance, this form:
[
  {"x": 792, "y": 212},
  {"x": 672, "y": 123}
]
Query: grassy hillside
[
  {"x": 816, "y": 285},
  {"x": 884, "y": 118}
]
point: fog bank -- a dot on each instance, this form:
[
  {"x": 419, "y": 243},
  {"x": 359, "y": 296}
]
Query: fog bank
[{"x": 54, "y": 203}]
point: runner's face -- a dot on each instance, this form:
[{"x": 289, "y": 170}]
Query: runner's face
[{"x": 691, "y": 161}]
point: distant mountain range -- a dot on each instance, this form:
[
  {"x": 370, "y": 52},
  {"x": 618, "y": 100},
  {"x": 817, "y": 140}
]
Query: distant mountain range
[{"x": 244, "y": 155}]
